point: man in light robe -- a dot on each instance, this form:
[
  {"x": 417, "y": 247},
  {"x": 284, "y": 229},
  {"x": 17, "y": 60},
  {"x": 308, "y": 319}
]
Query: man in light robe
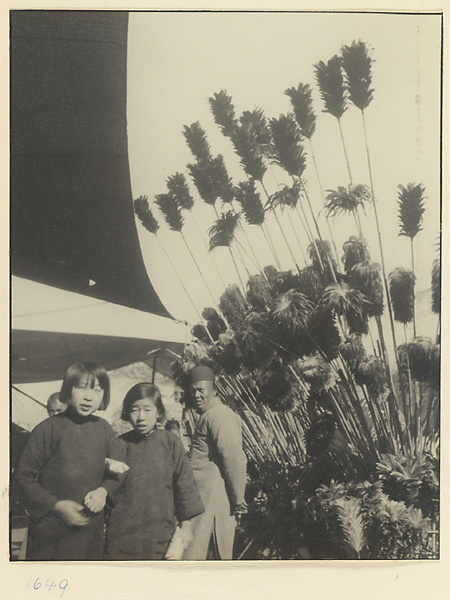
[{"x": 219, "y": 465}]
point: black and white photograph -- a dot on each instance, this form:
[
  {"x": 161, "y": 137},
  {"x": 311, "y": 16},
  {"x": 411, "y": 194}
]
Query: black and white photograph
[{"x": 225, "y": 273}]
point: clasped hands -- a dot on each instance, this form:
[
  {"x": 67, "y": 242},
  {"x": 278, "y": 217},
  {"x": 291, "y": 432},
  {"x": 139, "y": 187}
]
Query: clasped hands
[{"x": 75, "y": 514}]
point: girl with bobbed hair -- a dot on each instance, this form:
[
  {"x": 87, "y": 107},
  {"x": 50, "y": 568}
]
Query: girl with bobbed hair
[
  {"x": 139, "y": 392},
  {"x": 62, "y": 471},
  {"x": 159, "y": 491}
]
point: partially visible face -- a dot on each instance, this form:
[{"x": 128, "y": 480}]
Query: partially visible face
[
  {"x": 202, "y": 394},
  {"x": 143, "y": 415},
  {"x": 86, "y": 396},
  {"x": 54, "y": 407}
]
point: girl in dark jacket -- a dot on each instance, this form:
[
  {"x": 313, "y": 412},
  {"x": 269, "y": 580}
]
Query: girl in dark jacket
[
  {"x": 62, "y": 471},
  {"x": 158, "y": 492}
]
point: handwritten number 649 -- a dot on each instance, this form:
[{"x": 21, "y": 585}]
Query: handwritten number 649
[{"x": 62, "y": 585}]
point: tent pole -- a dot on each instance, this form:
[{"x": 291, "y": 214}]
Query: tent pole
[
  {"x": 154, "y": 368},
  {"x": 28, "y": 396}
]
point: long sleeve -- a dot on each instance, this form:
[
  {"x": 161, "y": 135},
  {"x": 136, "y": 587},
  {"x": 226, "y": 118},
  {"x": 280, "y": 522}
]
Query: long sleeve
[
  {"x": 117, "y": 451},
  {"x": 186, "y": 496},
  {"x": 226, "y": 434},
  {"x": 39, "y": 449}
]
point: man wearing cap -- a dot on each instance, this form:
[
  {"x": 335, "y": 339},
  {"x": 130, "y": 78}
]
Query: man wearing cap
[{"x": 219, "y": 466}]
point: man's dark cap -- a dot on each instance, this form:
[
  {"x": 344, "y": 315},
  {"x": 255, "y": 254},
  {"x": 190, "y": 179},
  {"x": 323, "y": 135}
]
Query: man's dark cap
[{"x": 201, "y": 373}]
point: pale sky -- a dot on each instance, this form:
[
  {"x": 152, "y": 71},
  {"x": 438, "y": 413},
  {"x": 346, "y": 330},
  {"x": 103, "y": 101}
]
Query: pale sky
[{"x": 176, "y": 61}]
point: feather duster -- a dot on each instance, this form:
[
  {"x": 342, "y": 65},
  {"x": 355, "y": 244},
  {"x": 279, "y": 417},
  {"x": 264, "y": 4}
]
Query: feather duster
[
  {"x": 283, "y": 281},
  {"x": 291, "y": 310},
  {"x": 352, "y": 350},
  {"x": 203, "y": 177},
  {"x": 222, "y": 233},
  {"x": 211, "y": 180},
  {"x": 252, "y": 337},
  {"x": 171, "y": 211},
  {"x": 276, "y": 388},
  {"x": 436, "y": 286},
  {"x": 310, "y": 283},
  {"x": 141, "y": 205},
  {"x": 226, "y": 354},
  {"x": 351, "y": 521},
  {"x": 143, "y": 211},
  {"x": 319, "y": 434},
  {"x": 347, "y": 302},
  {"x": 365, "y": 277},
  {"x": 411, "y": 209},
  {"x": 233, "y": 306},
  {"x": 250, "y": 152},
  {"x": 222, "y": 181},
  {"x": 358, "y": 322},
  {"x": 178, "y": 187},
  {"x": 423, "y": 355},
  {"x": 287, "y": 150},
  {"x": 321, "y": 325},
  {"x": 259, "y": 292},
  {"x": 330, "y": 79},
  {"x": 256, "y": 123},
  {"x": 285, "y": 196},
  {"x": 347, "y": 199},
  {"x": 250, "y": 202},
  {"x": 149, "y": 222},
  {"x": 370, "y": 371},
  {"x": 196, "y": 140},
  {"x": 435, "y": 372},
  {"x": 216, "y": 325},
  {"x": 301, "y": 100},
  {"x": 223, "y": 112},
  {"x": 401, "y": 287},
  {"x": 211, "y": 314},
  {"x": 318, "y": 403},
  {"x": 355, "y": 251},
  {"x": 396, "y": 512},
  {"x": 419, "y": 522},
  {"x": 270, "y": 271},
  {"x": 199, "y": 332},
  {"x": 357, "y": 65},
  {"x": 322, "y": 249},
  {"x": 316, "y": 371}
]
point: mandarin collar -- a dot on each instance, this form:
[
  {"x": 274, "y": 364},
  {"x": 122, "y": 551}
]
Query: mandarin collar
[
  {"x": 72, "y": 414},
  {"x": 214, "y": 402}
]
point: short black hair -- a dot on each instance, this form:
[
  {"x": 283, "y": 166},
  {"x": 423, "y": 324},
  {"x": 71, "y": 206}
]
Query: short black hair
[
  {"x": 139, "y": 392},
  {"x": 172, "y": 424},
  {"x": 94, "y": 371}
]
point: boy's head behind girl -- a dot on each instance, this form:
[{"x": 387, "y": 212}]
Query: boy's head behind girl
[
  {"x": 143, "y": 407},
  {"x": 85, "y": 388},
  {"x": 54, "y": 406}
]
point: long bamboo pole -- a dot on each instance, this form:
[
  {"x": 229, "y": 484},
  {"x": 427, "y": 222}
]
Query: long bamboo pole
[
  {"x": 184, "y": 288},
  {"x": 323, "y": 198},
  {"x": 380, "y": 244},
  {"x": 216, "y": 306},
  {"x": 207, "y": 249},
  {"x": 281, "y": 229}
]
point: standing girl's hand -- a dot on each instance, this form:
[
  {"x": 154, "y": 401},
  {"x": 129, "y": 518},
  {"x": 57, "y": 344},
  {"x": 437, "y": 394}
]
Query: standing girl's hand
[
  {"x": 116, "y": 466},
  {"x": 72, "y": 513},
  {"x": 96, "y": 500},
  {"x": 186, "y": 533}
]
